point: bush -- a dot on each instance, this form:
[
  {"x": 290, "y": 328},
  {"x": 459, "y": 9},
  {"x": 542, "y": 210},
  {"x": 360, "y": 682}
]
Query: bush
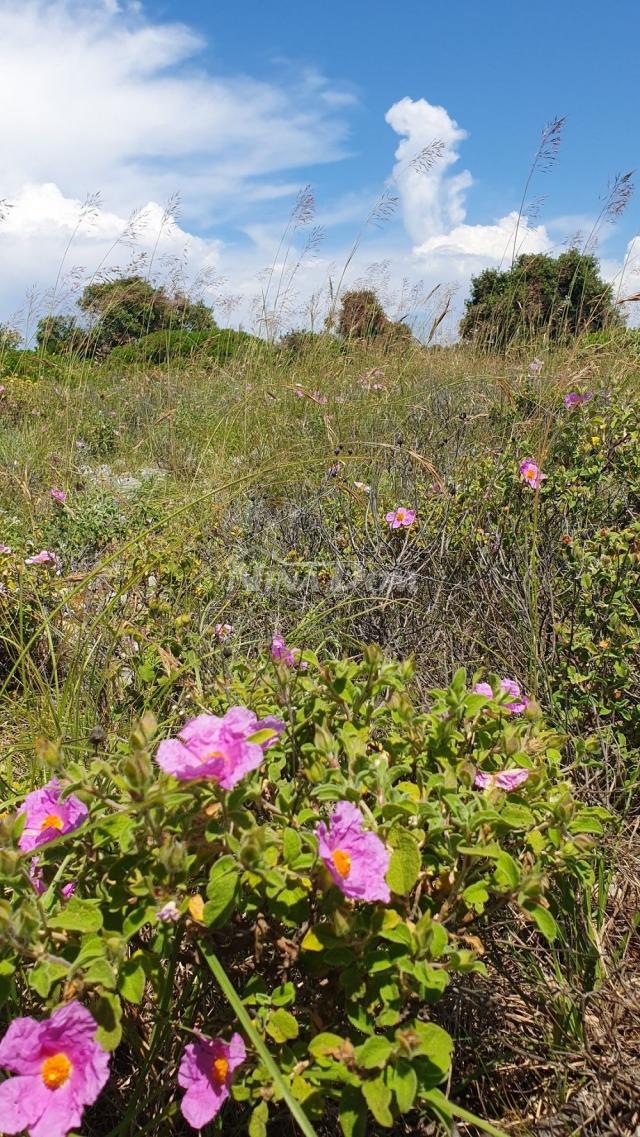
[
  {"x": 176, "y": 344},
  {"x": 210, "y": 909},
  {"x": 555, "y": 297}
]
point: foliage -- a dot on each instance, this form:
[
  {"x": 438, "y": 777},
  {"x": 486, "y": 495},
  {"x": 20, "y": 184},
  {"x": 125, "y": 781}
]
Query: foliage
[
  {"x": 362, "y": 316},
  {"x": 180, "y": 344},
  {"x": 339, "y": 992},
  {"x": 558, "y": 297},
  {"x": 120, "y": 311}
]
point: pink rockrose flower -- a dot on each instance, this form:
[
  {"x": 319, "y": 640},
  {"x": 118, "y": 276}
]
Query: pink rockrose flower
[
  {"x": 68, "y": 890},
  {"x": 223, "y": 632},
  {"x": 531, "y": 473},
  {"x": 289, "y": 656},
  {"x": 483, "y": 689},
  {"x": 363, "y": 487},
  {"x": 357, "y": 860},
  {"x": 49, "y": 815},
  {"x": 206, "y": 1072},
  {"x": 519, "y": 702},
  {"x": 58, "y": 495},
  {"x": 5, "y": 550},
  {"x": 60, "y": 1069},
  {"x": 218, "y": 748},
  {"x": 43, "y": 558},
  {"x": 574, "y": 399},
  {"x": 400, "y": 518},
  {"x": 504, "y": 780}
]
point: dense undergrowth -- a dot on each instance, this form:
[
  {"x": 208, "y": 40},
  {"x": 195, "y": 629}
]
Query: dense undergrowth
[{"x": 202, "y": 509}]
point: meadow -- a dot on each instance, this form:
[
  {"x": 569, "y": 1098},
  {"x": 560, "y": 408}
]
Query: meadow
[{"x": 399, "y": 892}]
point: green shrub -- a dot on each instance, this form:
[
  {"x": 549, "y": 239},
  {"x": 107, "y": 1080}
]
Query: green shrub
[{"x": 256, "y": 936}]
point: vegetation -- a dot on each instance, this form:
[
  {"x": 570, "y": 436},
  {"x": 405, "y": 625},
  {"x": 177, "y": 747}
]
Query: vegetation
[
  {"x": 121, "y": 311},
  {"x": 539, "y": 296},
  {"x": 432, "y": 530}
]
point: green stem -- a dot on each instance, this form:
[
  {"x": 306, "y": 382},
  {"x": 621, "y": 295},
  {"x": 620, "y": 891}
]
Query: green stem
[
  {"x": 479, "y": 1122},
  {"x": 244, "y": 1019}
]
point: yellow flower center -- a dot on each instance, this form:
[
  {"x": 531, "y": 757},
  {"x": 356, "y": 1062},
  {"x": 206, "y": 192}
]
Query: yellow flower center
[
  {"x": 209, "y": 754},
  {"x": 342, "y": 861},
  {"x": 530, "y": 474},
  {"x": 51, "y": 821},
  {"x": 401, "y": 514},
  {"x": 55, "y": 1071},
  {"x": 219, "y": 1070}
]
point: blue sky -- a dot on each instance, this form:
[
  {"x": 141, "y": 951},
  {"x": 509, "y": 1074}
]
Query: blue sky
[{"x": 238, "y": 106}]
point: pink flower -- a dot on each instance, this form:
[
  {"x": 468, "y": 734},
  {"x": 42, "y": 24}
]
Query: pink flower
[
  {"x": 531, "y": 473},
  {"x": 223, "y": 632},
  {"x": 363, "y": 487},
  {"x": 43, "y": 558},
  {"x": 35, "y": 876},
  {"x": 49, "y": 816},
  {"x": 574, "y": 399},
  {"x": 58, "y": 495},
  {"x": 67, "y": 890},
  {"x": 290, "y": 657},
  {"x": 505, "y": 780},
  {"x": 206, "y": 1072},
  {"x": 400, "y": 518},
  {"x": 5, "y": 549},
  {"x": 519, "y": 701},
  {"x": 535, "y": 367},
  {"x": 218, "y": 748},
  {"x": 357, "y": 860},
  {"x": 483, "y": 689},
  {"x": 60, "y": 1069}
]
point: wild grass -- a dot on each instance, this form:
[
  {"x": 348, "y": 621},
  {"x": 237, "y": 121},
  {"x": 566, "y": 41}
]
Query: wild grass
[{"x": 199, "y": 494}]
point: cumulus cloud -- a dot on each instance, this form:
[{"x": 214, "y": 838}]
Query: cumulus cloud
[{"x": 433, "y": 197}]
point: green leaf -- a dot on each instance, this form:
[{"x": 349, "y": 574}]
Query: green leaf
[
  {"x": 352, "y": 1112},
  {"x": 507, "y": 872},
  {"x": 107, "y": 1011},
  {"x": 404, "y": 866},
  {"x": 258, "y": 1120},
  {"x": 221, "y": 891},
  {"x": 544, "y": 920},
  {"x": 45, "y": 973},
  {"x": 137, "y": 919},
  {"x": 132, "y": 980},
  {"x": 374, "y": 1052},
  {"x": 324, "y": 1045},
  {"x": 78, "y": 916},
  {"x": 291, "y": 845},
  {"x": 378, "y": 1097},
  {"x": 100, "y": 972},
  {"x": 404, "y": 1083},
  {"x": 282, "y": 1026},
  {"x": 476, "y": 896}
]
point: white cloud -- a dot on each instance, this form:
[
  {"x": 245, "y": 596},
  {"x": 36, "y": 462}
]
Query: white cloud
[
  {"x": 433, "y": 200},
  {"x": 99, "y": 96}
]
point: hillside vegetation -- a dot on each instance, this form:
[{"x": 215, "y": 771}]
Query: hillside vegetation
[{"x": 399, "y": 892}]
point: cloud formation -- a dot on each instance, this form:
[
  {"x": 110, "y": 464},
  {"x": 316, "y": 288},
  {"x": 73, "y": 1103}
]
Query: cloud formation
[{"x": 98, "y": 94}]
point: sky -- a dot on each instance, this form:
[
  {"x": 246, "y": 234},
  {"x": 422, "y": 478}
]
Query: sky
[{"x": 266, "y": 155}]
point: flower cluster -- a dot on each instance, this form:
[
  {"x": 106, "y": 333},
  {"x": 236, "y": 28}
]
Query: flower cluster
[{"x": 574, "y": 399}]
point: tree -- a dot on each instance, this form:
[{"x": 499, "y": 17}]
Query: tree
[
  {"x": 540, "y": 295},
  {"x": 130, "y": 307},
  {"x": 59, "y": 334},
  {"x": 363, "y": 317}
]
